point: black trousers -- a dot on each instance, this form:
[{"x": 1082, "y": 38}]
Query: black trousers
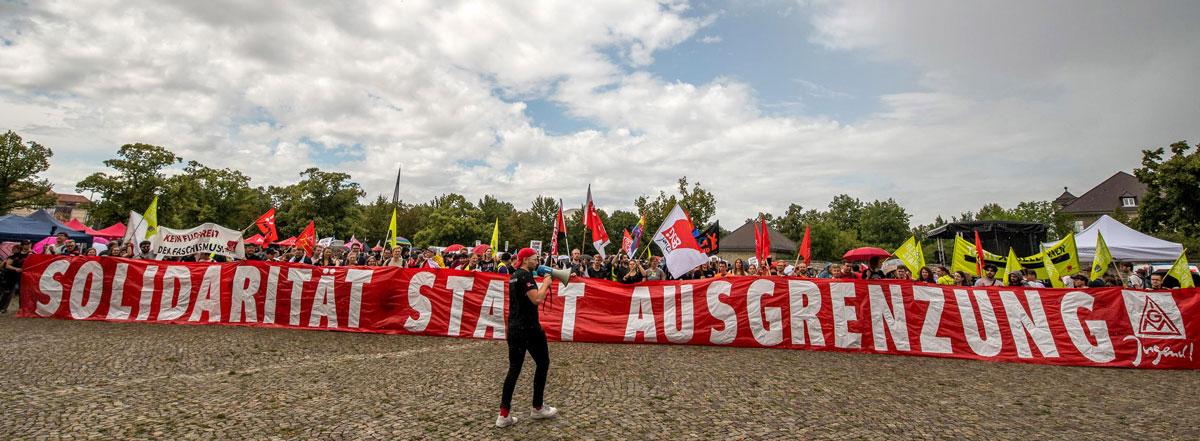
[
  {"x": 10, "y": 288},
  {"x": 519, "y": 342}
]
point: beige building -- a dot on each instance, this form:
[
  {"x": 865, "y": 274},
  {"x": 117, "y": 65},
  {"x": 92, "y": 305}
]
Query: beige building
[
  {"x": 66, "y": 207},
  {"x": 1120, "y": 192}
]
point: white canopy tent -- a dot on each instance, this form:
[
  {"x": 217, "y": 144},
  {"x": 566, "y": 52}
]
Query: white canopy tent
[{"x": 1125, "y": 244}]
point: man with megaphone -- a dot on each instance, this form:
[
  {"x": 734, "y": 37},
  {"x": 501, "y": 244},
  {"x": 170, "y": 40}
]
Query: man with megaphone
[{"x": 525, "y": 334}]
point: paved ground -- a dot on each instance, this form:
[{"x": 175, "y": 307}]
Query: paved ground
[{"x": 63, "y": 379}]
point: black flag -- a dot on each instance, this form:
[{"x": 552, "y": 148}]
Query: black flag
[{"x": 710, "y": 239}]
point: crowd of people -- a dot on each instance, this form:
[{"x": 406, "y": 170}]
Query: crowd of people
[{"x": 618, "y": 267}]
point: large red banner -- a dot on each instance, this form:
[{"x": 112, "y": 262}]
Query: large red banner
[{"x": 1086, "y": 327}]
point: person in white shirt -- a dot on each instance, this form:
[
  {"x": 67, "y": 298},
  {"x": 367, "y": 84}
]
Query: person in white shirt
[{"x": 1031, "y": 279}]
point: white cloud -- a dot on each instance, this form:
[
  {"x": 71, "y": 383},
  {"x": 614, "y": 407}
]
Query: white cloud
[{"x": 1028, "y": 92}]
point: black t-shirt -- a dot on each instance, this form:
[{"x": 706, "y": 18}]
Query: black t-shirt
[{"x": 522, "y": 313}]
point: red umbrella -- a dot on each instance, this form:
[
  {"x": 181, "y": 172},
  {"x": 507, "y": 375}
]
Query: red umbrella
[
  {"x": 481, "y": 249},
  {"x": 865, "y": 253},
  {"x": 453, "y": 248},
  {"x": 291, "y": 241}
]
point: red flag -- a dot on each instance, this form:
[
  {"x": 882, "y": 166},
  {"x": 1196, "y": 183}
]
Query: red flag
[
  {"x": 591, "y": 220},
  {"x": 806, "y": 246},
  {"x": 757, "y": 244},
  {"x": 627, "y": 244},
  {"x": 766, "y": 240},
  {"x": 560, "y": 229},
  {"x": 307, "y": 239},
  {"x": 266, "y": 225},
  {"x": 978, "y": 255}
]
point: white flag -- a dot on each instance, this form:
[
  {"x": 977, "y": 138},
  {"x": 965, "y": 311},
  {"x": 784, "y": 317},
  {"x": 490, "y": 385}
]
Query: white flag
[
  {"x": 680, "y": 249},
  {"x": 135, "y": 231}
]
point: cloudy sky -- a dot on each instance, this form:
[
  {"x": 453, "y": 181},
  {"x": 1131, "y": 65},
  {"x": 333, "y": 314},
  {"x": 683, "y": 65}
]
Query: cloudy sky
[{"x": 941, "y": 105}]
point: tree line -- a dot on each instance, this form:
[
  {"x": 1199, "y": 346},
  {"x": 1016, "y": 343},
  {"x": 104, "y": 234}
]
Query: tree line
[{"x": 191, "y": 193}]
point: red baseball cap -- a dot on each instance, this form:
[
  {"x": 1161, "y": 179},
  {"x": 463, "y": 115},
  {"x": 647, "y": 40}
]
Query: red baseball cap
[{"x": 524, "y": 253}]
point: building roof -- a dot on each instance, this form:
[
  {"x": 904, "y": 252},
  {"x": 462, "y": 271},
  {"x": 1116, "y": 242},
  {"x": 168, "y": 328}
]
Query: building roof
[
  {"x": 1106, "y": 197},
  {"x": 742, "y": 239},
  {"x": 64, "y": 198},
  {"x": 1065, "y": 198}
]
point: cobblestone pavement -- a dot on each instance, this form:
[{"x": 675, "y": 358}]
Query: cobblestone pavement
[{"x": 63, "y": 379}]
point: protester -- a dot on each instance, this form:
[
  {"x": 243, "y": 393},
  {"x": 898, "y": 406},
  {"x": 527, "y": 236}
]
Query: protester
[
  {"x": 634, "y": 273},
  {"x": 925, "y": 275},
  {"x": 10, "y": 283},
  {"x": 962, "y": 279},
  {"x": 654, "y": 270},
  {"x": 327, "y": 258},
  {"x": 298, "y": 256},
  {"x": 1015, "y": 278},
  {"x": 1031, "y": 279},
  {"x": 60, "y": 242},
  {"x": 504, "y": 266},
  {"x": 722, "y": 270},
  {"x": 739, "y": 267},
  {"x": 578, "y": 265},
  {"x": 525, "y": 334},
  {"x": 1079, "y": 281},
  {"x": 1138, "y": 278},
  {"x": 1156, "y": 281},
  {"x": 989, "y": 277},
  {"x": 902, "y": 273},
  {"x": 597, "y": 269}
]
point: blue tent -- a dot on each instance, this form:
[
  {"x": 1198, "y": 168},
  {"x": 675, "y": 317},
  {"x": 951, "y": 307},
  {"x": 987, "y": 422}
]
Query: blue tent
[{"x": 36, "y": 227}]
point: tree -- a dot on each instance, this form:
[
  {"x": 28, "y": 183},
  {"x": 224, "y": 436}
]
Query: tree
[
  {"x": 883, "y": 224},
  {"x": 453, "y": 219},
  {"x": 138, "y": 178},
  {"x": 19, "y": 165},
  {"x": 204, "y": 194},
  {"x": 1171, "y": 205},
  {"x": 698, "y": 202},
  {"x": 330, "y": 199},
  {"x": 844, "y": 212}
]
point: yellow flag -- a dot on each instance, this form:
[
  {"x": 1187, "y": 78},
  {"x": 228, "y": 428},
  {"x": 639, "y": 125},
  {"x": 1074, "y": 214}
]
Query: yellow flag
[
  {"x": 495, "y": 237},
  {"x": 1102, "y": 258},
  {"x": 151, "y": 218},
  {"x": 911, "y": 254},
  {"x": 392, "y": 234},
  {"x": 1052, "y": 271},
  {"x": 1181, "y": 272},
  {"x": 964, "y": 257},
  {"x": 1011, "y": 265}
]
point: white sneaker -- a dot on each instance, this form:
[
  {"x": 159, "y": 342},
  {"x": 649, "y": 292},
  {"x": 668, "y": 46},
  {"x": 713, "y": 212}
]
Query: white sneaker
[
  {"x": 544, "y": 413},
  {"x": 505, "y": 421}
]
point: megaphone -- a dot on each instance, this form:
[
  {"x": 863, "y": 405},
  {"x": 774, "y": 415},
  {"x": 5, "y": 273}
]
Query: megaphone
[{"x": 561, "y": 275}]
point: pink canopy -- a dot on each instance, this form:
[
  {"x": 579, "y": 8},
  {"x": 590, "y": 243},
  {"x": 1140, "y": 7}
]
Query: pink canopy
[
  {"x": 76, "y": 225},
  {"x": 42, "y": 244},
  {"x": 114, "y": 231}
]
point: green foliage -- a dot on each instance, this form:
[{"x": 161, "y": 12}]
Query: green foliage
[
  {"x": 20, "y": 163},
  {"x": 847, "y": 224},
  {"x": 139, "y": 176},
  {"x": 453, "y": 219},
  {"x": 328, "y": 198},
  {"x": 1171, "y": 206},
  {"x": 1043, "y": 212},
  {"x": 201, "y": 194}
]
